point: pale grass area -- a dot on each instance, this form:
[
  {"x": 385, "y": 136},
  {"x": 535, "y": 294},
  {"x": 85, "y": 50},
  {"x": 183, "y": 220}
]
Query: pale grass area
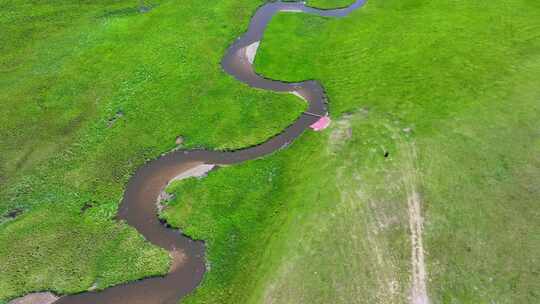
[{"x": 367, "y": 248}]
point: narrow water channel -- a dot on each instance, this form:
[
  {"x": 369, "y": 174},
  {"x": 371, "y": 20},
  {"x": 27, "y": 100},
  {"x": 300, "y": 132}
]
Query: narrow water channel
[{"x": 138, "y": 207}]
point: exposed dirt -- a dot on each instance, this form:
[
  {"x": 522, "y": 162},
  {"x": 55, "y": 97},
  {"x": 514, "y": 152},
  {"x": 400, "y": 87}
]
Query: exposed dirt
[
  {"x": 198, "y": 171},
  {"x": 419, "y": 275},
  {"x": 36, "y": 298},
  {"x": 419, "y": 293},
  {"x": 251, "y": 51},
  {"x": 178, "y": 258}
]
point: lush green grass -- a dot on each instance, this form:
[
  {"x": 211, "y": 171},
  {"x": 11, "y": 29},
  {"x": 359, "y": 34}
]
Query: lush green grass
[
  {"x": 326, "y": 220},
  {"x": 329, "y": 3},
  {"x": 481, "y": 188},
  {"x": 326, "y": 4},
  {"x": 90, "y": 91},
  {"x": 72, "y": 252},
  {"x": 56, "y": 103}
]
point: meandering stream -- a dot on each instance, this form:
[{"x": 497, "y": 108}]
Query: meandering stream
[{"x": 138, "y": 207}]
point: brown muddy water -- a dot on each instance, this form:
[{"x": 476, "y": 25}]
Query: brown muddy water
[{"x": 138, "y": 207}]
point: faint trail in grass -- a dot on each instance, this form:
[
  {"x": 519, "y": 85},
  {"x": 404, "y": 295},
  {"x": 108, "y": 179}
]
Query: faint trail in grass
[
  {"x": 419, "y": 275},
  {"x": 411, "y": 175}
]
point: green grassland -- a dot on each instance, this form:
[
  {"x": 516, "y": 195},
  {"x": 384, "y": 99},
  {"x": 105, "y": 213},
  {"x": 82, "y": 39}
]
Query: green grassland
[
  {"x": 328, "y": 4},
  {"x": 326, "y": 220},
  {"x": 450, "y": 91},
  {"x": 291, "y": 228},
  {"x": 52, "y": 248},
  {"x": 91, "y": 90}
]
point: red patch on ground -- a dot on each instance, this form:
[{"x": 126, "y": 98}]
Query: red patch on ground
[{"x": 321, "y": 124}]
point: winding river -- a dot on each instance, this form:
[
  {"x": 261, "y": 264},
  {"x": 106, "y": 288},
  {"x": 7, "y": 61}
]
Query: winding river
[{"x": 138, "y": 207}]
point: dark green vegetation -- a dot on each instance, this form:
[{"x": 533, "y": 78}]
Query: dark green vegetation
[
  {"x": 55, "y": 248},
  {"x": 450, "y": 91},
  {"x": 89, "y": 91},
  {"x": 328, "y": 4}
]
